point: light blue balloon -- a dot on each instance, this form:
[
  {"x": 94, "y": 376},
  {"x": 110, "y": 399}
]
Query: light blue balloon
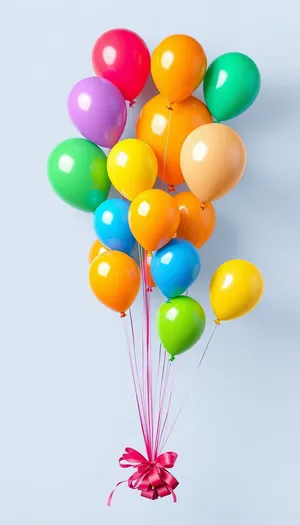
[
  {"x": 175, "y": 267},
  {"x": 111, "y": 225}
]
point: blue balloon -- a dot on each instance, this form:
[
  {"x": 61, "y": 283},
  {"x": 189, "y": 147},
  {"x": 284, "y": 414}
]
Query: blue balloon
[
  {"x": 175, "y": 267},
  {"x": 111, "y": 225}
]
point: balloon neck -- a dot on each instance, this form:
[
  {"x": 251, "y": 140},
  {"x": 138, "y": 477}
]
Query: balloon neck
[
  {"x": 131, "y": 103},
  {"x": 172, "y": 358},
  {"x": 122, "y": 315},
  {"x": 171, "y": 188},
  {"x": 170, "y": 108},
  {"x": 217, "y": 321}
]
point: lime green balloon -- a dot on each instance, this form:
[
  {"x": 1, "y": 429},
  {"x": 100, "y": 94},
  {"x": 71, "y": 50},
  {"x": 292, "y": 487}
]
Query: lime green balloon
[
  {"x": 77, "y": 172},
  {"x": 180, "y": 323},
  {"x": 231, "y": 85}
]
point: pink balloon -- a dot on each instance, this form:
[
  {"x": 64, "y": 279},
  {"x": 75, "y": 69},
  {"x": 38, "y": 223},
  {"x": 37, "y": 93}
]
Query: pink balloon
[{"x": 98, "y": 110}]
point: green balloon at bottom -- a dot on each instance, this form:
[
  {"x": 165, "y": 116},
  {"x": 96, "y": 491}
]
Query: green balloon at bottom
[
  {"x": 180, "y": 322},
  {"x": 77, "y": 172}
]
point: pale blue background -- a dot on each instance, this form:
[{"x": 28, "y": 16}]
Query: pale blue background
[{"x": 66, "y": 403}]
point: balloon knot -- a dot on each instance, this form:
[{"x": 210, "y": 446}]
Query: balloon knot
[
  {"x": 217, "y": 321},
  {"x": 171, "y": 358},
  {"x": 123, "y": 314},
  {"x": 149, "y": 254},
  {"x": 131, "y": 103},
  {"x": 217, "y": 121},
  {"x": 203, "y": 205},
  {"x": 169, "y": 107},
  {"x": 149, "y": 289},
  {"x": 171, "y": 188}
]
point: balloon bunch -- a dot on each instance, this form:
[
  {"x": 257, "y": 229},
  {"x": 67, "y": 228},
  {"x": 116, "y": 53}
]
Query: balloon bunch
[{"x": 178, "y": 139}]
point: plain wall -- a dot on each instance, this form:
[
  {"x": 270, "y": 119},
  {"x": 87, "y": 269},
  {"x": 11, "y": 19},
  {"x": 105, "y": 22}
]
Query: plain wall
[{"x": 66, "y": 402}]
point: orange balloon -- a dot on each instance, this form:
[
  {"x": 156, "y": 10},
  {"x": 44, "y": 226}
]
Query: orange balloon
[
  {"x": 178, "y": 66},
  {"x": 213, "y": 159},
  {"x": 165, "y": 131},
  {"x": 115, "y": 280},
  {"x": 149, "y": 283},
  {"x": 97, "y": 248},
  {"x": 153, "y": 219},
  {"x": 197, "y": 222}
]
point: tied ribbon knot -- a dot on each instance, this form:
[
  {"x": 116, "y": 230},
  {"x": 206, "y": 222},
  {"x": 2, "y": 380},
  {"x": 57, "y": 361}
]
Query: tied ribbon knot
[{"x": 151, "y": 477}]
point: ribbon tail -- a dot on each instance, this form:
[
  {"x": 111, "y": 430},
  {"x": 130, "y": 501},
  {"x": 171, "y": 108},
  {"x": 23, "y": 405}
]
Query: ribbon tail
[
  {"x": 110, "y": 497},
  {"x": 173, "y": 494}
]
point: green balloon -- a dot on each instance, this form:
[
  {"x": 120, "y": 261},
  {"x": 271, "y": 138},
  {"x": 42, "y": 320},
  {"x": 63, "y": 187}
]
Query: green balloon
[
  {"x": 180, "y": 322},
  {"x": 231, "y": 85},
  {"x": 77, "y": 172}
]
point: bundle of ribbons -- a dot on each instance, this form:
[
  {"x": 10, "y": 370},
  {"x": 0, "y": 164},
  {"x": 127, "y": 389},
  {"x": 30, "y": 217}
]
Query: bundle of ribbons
[{"x": 148, "y": 238}]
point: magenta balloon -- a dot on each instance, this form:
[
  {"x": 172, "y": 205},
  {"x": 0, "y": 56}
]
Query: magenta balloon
[{"x": 98, "y": 110}]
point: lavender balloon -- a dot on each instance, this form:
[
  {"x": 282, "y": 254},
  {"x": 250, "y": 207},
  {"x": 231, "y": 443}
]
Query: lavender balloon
[{"x": 98, "y": 110}]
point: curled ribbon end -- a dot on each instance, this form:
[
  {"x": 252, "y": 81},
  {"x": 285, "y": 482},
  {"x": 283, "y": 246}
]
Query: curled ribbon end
[
  {"x": 217, "y": 321},
  {"x": 123, "y": 314}
]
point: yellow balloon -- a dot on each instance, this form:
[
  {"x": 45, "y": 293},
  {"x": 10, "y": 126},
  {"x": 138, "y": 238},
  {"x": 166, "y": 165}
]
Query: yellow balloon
[
  {"x": 235, "y": 288},
  {"x": 132, "y": 167}
]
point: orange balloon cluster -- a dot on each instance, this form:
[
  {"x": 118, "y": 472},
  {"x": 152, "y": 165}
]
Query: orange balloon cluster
[{"x": 177, "y": 140}]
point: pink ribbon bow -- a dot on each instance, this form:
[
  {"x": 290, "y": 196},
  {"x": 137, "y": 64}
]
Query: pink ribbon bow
[{"x": 151, "y": 477}]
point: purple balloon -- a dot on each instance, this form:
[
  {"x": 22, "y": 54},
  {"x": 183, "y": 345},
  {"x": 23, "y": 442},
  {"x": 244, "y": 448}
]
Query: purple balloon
[{"x": 98, "y": 110}]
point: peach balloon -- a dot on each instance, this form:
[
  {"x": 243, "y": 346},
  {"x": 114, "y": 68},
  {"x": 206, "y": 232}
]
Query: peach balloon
[
  {"x": 96, "y": 249},
  {"x": 178, "y": 66},
  {"x": 213, "y": 160},
  {"x": 165, "y": 131},
  {"x": 114, "y": 278},
  {"x": 153, "y": 219},
  {"x": 197, "y": 222}
]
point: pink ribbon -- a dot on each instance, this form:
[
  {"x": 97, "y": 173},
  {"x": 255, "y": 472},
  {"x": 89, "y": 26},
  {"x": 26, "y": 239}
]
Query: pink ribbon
[{"x": 151, "y": 477}]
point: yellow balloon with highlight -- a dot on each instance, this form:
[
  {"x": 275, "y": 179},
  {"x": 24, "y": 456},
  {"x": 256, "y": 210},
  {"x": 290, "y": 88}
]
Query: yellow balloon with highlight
[
  {"x": 132, "y": 167},
  {"x": 236, "y": 288}
]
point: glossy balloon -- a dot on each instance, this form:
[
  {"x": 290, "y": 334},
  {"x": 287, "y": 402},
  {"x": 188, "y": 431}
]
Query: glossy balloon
[
  {"x": 180, "y": 323},
  {"x": 175, "y": 267},
  {"x": 231, "y": 85},
  {"x": 96, "y": 249},
  {"x": 197, "y": 222},
  {"x": 153, "y": 219},
  {"x": 213, "y": 160},
  {"x": 132, "y": 167},
  {"x": 77, "y": 173},
  {"x": 122, "y": 57},
  {"x": 115, "y": 280},
  {"x": 98, "y": 110},
  {"x": 178, "y": 66},
  {"x": 166, "y": 131},
  {"x": 111, "y": 225},
  {"x": 235, "y": 289}
]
